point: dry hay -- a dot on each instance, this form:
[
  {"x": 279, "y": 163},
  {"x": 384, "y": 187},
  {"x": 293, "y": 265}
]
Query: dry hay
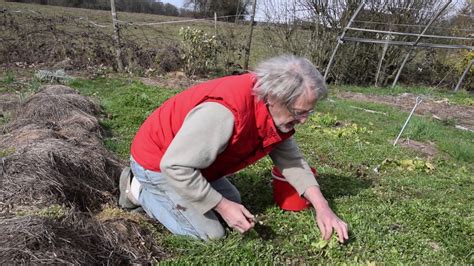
[
  {"x": 8, "y": 102},
  {"x": 52, "y": 152},
  {"x": 76, "y": 239}
]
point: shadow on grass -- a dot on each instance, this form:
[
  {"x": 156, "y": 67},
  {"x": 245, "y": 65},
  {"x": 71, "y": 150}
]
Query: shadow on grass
[
  {"x": 336, "y": 186},
  {"x": 257, "y": 195}
]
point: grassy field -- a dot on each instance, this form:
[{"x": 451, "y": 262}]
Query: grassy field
[
  {"x": 401, "y": 206},
  {"x": 158, "y": 35}
]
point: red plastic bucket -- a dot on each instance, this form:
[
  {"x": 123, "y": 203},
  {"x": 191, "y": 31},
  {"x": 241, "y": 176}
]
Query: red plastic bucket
[{"x": 285, "y": 195}]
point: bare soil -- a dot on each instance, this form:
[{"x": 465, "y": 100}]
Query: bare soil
[
  {"x": 427, "y": 149},
  {"x": 173, "y": 80},
  {"x": 462, "y": 115}
]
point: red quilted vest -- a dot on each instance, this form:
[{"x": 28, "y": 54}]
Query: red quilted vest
[{"x": 254, "y": 135}]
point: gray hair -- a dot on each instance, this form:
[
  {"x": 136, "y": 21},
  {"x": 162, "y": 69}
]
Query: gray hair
[{"x": 286, "y": 77}]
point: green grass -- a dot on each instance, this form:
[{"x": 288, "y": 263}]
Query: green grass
[{"x": 396, "y": 215}]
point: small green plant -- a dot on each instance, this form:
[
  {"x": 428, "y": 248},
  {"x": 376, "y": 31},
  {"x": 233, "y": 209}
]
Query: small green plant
[
  {"x": 5, "y": 118},
  {"x": 9, "y": 78},
  {"x": 7, "y": 152},
  {"x": 54, "y": 211},
  {"x": 407, "y": 164},
  {"x": 199, "y": 50},
  {"x": 31, "y": 89},
  {"x": 324, "y": 120}
]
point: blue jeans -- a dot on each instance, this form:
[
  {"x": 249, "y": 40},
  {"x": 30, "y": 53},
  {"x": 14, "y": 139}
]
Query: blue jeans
[{"x": 161, "y": 202}]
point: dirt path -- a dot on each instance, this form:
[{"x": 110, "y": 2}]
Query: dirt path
[{"x": 462, "y": 115}]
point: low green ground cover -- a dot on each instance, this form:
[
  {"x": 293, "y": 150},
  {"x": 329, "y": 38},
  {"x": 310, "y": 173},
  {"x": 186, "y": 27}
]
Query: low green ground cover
[{"x": 402, "y": 207}]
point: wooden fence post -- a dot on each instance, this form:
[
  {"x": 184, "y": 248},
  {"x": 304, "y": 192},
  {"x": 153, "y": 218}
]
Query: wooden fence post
[
  {"x": 249, "y": 40},
  {"x": 118, "y": 51}
]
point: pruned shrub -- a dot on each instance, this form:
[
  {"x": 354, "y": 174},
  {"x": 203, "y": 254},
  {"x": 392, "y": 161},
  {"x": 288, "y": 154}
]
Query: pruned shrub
[{"x": 199, "y": 50}]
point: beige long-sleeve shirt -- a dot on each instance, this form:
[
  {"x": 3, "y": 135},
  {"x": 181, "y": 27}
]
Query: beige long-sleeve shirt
[{"x": 204, "y": 134}]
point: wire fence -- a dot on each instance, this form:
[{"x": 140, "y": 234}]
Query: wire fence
[{"x": 86, "y": 39}]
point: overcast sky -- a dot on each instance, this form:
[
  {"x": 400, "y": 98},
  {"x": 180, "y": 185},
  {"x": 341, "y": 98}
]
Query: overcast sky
[{"x": 177, "y": 3}]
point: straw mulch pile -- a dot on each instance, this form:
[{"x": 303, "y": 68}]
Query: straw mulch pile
[{"x": 52, "y": 154}]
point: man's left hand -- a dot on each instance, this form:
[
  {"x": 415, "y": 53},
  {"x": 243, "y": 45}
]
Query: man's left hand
[
  {"x": 325, "y": 217},
  {"x": 329, "y": 222}
]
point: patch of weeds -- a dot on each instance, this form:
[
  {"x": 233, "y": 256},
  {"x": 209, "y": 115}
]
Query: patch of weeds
[
  {"x": 7, "y": 152},
  {"x": 420, "y": 129},
  {"x": 9, "y": 78},
  {"x": 449, "y": 122},
  {"x": 111, "y": 213},
  {"x": 34, "y": 85},
  {"x": 54, "y": 211},
  {"x": 324, "y": 120},
  {"x": 5, "y": 118},
  {"x": 351, "y": 131},
  {"x": 466, "y": 101},
  {"x": 32, "y": 88},
  {"x": 407, "y": 164}
]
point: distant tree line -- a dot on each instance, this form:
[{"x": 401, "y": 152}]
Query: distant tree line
[
  {"x": 139, "y": 6},
  {"x": 207, "y": 8},
  {"x": 193, "y": 8}
]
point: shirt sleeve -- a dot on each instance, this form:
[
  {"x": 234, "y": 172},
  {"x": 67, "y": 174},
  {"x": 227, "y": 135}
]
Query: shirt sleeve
[
  {"x": 288, "y": 158},
  {"x": 204, "y": 134}
]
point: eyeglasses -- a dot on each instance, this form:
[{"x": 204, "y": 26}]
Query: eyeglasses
[{"x": 298, "y": 114}]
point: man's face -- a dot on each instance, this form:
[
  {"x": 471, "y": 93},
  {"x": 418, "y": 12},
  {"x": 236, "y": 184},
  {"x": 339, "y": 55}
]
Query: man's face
[{"x": 287, "y": 117}]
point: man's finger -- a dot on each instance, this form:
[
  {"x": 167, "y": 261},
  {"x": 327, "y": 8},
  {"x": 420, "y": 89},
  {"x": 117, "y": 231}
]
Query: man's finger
[
  {"x": 328, "y": 231},
  {"x": 322, "y": 228},
  {"x": 247, "y": 213},
  {"x": 345, "y": 230},
  {"x": 239, "y": 229},
  {"x": 340, "y": 232},
  {"x": 245, "y": 224}
]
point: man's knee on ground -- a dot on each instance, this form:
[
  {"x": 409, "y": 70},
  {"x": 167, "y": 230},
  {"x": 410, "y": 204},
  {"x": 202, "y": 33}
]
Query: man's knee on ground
[
  {"x": 212, "y": 229},
  {"x": 217, "y": 233}
]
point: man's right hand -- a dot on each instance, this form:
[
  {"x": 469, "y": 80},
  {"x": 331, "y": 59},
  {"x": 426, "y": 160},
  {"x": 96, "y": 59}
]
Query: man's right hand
[{"x": 235, "y": 215}]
